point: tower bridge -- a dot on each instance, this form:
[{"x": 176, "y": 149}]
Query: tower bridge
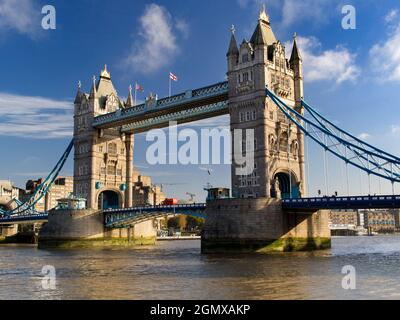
[{"x": 269, "y": 208}]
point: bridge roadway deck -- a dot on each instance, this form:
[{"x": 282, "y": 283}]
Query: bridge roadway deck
[
  {"x": 342, "y": 203},
  {"x": 26, "y": 219},
  {"x": 118, "y": 217}
]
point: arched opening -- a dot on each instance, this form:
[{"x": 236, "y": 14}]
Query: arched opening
[
  {"x": 108, "y": 200},
  {"x": 288, "y": 186}
]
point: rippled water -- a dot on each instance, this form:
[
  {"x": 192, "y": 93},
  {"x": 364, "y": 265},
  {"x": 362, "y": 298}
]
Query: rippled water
[{"x": 177, "y": 270}]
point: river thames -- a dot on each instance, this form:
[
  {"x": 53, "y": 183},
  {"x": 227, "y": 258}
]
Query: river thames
[{"x": 177, "y": 270}]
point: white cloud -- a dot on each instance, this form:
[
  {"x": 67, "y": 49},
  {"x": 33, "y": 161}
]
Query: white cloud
[
  {"x": 392, "y": 16},
  {"x": 22, "y": 16},
  {"x": 157, "y": 44},
  {"x": 183, "y": 27},
  {"x": 396, "y": 130},
  {"x": 311, "y": 10},
  {"x": 385, "y": 56},
  {"x": 337, "y": 64},
  {"x": 35, "y": 117},
  {"x": 294, "y": 11},
  {"x": 364, "y": 136}
]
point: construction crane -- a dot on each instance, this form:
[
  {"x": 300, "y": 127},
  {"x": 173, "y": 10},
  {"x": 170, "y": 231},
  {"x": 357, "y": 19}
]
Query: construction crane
[
  {"x": 162, "y": 185},
  {"x": 192, "y": 197}
]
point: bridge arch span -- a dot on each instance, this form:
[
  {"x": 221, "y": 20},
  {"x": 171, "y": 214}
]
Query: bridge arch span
[
  {"x": 289, "y": 184},
  {"x": 110, "y": 198}
]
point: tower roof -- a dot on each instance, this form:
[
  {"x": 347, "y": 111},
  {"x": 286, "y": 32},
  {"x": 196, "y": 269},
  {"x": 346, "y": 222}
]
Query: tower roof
[
  {"x": 295, "y": 51},
  {"x": 79, "y": 94},
  {"x": 129, "y": 101},
  {"x": 233, "y": 48},
  {"x": 104, "y": 73},
  {"x": 263, "y": 34},
  {"x": 93, "y": 91},
  {"x": 105, "y": 86}
]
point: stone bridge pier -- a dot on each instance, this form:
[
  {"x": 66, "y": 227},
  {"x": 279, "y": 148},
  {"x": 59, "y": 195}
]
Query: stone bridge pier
[
  {"x": 7, "y": 230},
  {"x": 85, "y": 228},
  {"x": 260, "y": 225}
]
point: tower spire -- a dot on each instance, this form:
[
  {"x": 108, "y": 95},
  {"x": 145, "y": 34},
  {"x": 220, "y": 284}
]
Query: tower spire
[
  {"x": 78, "y": 97},
  {"x": 93, "y": 92},
  {"x": 263, "y": 16},
  {"x": 233, "y": 48},
  {"x": 104, "y": 73},
  {"x": 263, "y": 34},
  {"x": 129, "y": 100},
  {"x": 296, "y": 56}
]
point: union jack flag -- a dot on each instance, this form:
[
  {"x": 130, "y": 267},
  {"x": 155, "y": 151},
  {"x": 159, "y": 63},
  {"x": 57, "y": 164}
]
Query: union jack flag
[
  {"x": 139, "y": 88},
  {"x": 173, "y": 77}
]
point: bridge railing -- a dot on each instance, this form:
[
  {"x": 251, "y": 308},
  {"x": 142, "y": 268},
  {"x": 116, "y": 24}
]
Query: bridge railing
[
  {"x": 356, "y": 202},
  {"x": 147, "y": 208},
  {"x": 162, "y": 104},
  {"x": 119, "y": 218},
  {"x": 22, "y": 218}
]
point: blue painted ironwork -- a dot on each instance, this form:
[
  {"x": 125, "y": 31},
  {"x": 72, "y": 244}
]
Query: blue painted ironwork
[
  {"x": 28, "y": 207},
  {"x": 214, "y": 93},
  {"x": 24, "y": 218},
  {"x": 342, "y": 203},
  {"x": 122, "y": 218},
  {"x": 183, "y": 115},
  {"x": 342, "y": 144}
]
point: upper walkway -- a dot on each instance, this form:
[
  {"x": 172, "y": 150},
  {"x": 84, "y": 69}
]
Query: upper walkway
[{"x": 192, "y": 105}]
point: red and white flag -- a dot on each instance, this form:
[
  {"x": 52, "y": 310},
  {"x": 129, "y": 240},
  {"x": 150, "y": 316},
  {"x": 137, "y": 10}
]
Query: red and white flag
[
  {"x": 173, "y": 77},
  {"x": 138, "y": 87}
]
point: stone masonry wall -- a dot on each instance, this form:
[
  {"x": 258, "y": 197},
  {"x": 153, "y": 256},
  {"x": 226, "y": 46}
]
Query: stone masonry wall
[{"x": 259, "y": 223}]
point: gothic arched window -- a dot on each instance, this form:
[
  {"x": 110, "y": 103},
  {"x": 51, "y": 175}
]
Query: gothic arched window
[
  {"x": 283, "y": 142},
  {"x": 112, "y": 148}
]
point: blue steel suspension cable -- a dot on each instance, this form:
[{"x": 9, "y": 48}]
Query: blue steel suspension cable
[
  {"x": 346, "y": 143},
  {"x": 44, "y": 187},
  {"x": 315, "y": 114},
  {"x": 294, "y": 116}
]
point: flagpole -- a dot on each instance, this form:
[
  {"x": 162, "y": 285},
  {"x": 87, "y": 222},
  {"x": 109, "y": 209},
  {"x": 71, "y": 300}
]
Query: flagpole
[
  {"x": 170, "y": 85},
  {"x": 135, "y": 91}
]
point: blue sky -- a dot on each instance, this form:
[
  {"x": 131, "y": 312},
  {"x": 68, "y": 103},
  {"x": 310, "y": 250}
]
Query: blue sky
[{"x": 352, "y": 76}]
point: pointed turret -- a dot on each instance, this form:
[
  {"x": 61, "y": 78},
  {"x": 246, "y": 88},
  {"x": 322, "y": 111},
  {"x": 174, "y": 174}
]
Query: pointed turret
[
  {"x": 233, "y": 48},
  {"x": 233, "y": 51},
  {"x": 129, "y": 101},
  {"x": 263, "y": 35},
  {"x": 105, "y": 86},
  {"x": 296, "y": 64},
  {"x": 296, "y": 56},
  {"x": 105, "y": 74},
  {"x": 79, "y": 94},
  {"x": 93, "y": 91}
]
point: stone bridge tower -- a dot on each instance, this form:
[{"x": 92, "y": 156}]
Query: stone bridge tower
[
  {"x": 103, "y": 161},
  {"x": 278, "y": 145}
]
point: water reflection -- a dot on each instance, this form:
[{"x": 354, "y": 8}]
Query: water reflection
[{"x": 177, "y": 270}]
